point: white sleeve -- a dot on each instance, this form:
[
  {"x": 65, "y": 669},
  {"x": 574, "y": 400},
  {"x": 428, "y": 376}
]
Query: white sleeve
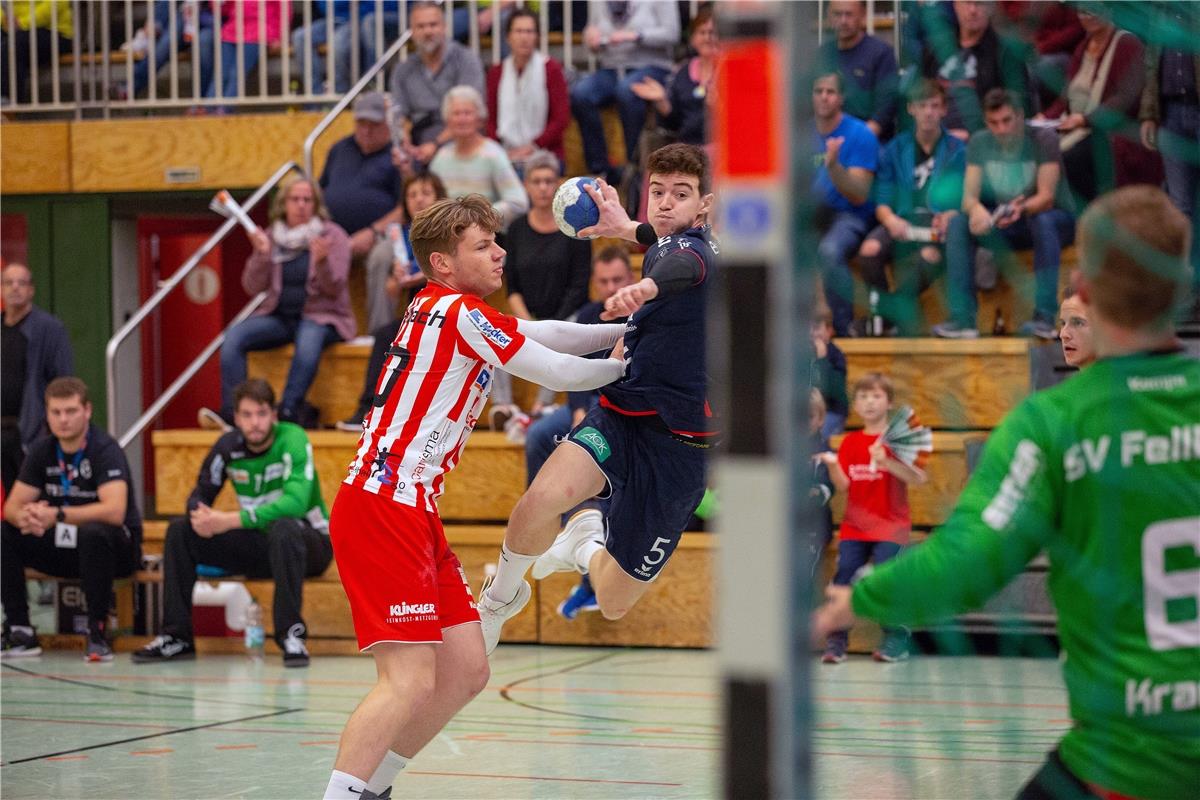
[
  {"x": 572, "y": 337},
  {"x": 560, "y": 372}
]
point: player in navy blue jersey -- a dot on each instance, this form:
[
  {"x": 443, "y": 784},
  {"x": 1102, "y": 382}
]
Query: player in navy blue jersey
[{"x": 645, "y": 446}]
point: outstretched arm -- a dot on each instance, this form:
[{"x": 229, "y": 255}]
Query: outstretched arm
[{"x": 574, "y": 338}]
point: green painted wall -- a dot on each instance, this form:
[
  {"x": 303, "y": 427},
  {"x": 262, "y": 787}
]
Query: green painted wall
[{"x": 70, "y": 255}]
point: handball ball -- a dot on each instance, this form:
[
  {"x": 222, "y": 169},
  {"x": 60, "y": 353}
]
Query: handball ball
[{"x": 574, "y": 208}]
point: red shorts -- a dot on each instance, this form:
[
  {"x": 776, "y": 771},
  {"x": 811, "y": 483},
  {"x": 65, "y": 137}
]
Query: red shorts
[{"x": 404, "y": 582}]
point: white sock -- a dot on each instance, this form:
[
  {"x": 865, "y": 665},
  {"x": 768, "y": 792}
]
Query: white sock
[
  {"x": 387, "y": 771},
  {"x": 584, "y": 553},
  {"x": 344, "y": 786},
  {"x": 509, "y": 574}
]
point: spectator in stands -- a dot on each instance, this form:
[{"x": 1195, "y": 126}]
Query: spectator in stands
[
  {"x": 1170, "y": 120},
  {"x": 190, "y": 20},
  {"x": 867, "y": 66},
  {"x": 877, "y": 522},
  {"x": 371, "y": 43},
  {"x": 241, "y": 28},
  {"x": 1075, "y": 330},
  {"x": 471, "y": 163},
  {"x": 1096, "y": 109},
  {"x": 528, "y": 105},
  {"x": 682, "y": 105},
  {"x": 281, "y": 530},
  {"x": 849, "y": 155},
  {"x": 821, "y": 489},
  {"x": 829, "y": 373},
  {"x": 361, "y": 186},
  {"x": 917, "y": 191},
  {"x": 71, "y": 514},
  {"x": 972, "y": 61},
  {"x": 632, "y": 40},
  {"x": 302, "y": 262},
  {"x": 392, "y": 270},
  {"x": 489, "y": 14},
  {"x": 1054, "y": 30},
  {"x": 32, "y": 30},
  {"x": 36, "y": 351},
  {"x": 546, "y": 273},
  {"x": 1013, "y": 198},
  {"x": 419, "y": 83},
  {"x": 397, "y": 277},
  {"x": 336, "y": 32},
  {"x": 611, "y": 271}
]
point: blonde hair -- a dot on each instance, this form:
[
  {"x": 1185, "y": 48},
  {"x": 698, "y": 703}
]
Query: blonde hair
[
  {"x": 1134, "y": 244},
  {"x": 279, "y": 202},
  {"x": 439, "y": 228}
]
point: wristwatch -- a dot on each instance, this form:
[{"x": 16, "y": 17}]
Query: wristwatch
[{"x": 61, "y": 515}]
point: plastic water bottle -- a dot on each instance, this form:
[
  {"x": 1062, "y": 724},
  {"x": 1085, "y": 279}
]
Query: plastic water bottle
[
  {"x": 875, "y": 326},
  {"x": 254, "y": 636}
]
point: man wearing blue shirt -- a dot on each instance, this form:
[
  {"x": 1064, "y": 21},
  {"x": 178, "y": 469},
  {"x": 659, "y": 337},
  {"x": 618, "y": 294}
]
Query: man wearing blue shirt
[{"x": 846, "y": 155}]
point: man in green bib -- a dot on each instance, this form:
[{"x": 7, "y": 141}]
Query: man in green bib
[
  {"x": 1103, "y": 473},
  {"x": 281, "y": 530}
]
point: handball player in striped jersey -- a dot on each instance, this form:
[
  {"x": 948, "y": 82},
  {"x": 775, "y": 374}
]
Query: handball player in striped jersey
[
  {"x": 411, "y": 604},
  {"x": 644, "y": 447}
]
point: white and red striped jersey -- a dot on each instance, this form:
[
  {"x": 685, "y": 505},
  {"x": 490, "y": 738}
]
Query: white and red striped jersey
[{"x": 433, "y": 387}]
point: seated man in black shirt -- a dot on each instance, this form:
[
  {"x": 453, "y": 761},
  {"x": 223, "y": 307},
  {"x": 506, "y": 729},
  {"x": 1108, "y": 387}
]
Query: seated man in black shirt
[{"x": 71, "y": 514}]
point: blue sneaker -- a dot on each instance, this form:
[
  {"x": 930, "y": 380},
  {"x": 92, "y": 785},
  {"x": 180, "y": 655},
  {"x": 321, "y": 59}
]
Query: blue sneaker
[{"x": 581, "y": 598}]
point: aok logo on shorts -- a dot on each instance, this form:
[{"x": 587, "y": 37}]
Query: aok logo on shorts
[
  {"x": 407, "y": 612},
  {"x": 596, "y": 441}
]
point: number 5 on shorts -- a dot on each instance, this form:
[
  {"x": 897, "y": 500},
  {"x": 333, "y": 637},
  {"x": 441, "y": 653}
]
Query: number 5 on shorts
[
  {"x": 1178, "y": 588},
  {"x": 657, "y": 550}
]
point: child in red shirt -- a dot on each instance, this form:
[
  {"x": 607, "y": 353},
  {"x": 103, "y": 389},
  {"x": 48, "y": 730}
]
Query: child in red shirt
[{"x": 877, "y": 521}]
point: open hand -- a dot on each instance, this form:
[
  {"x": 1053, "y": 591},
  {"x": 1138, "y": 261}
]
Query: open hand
[{"x": 649, "y": 90}]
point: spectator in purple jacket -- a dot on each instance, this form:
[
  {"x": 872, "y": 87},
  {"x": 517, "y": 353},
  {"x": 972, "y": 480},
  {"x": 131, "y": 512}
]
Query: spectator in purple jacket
[{"x": 302, "y": 262}]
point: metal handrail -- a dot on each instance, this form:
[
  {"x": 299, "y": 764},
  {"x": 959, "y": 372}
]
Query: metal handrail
[
  {"x": 155, "y": 300},
  {"x": 349, "y": 98},
  {"x": 188, "y": 373}
]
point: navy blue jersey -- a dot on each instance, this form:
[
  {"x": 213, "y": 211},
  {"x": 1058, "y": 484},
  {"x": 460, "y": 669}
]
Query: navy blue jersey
[{"x": 664, "y": 345}]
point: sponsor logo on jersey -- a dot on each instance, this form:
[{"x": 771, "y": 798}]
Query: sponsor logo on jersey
[
  {"x": 865, "y": 472},
  {"x": 411, "y": 612},
  {"x": 1160, "y": 383},
  {"x": 1149, "y": 698},
  {"x": 114, "y": 473},
  {"x": 85, "y": 469},
  {"x": 1181, "y": 443},
  {"x": 432, "y": 319},
  {"x": 276, "y": 470},
  {"x": 489, "y": 331},
  {"x": 484, "y": 379},
  {"x": 239, "y": 476},
  {"x": 1027, "y": 460},
  {"x": 595, "y": 440}
]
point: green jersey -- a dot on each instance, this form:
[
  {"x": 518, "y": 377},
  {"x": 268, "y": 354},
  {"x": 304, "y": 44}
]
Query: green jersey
[
  {"x": 280, "y": 482},
  {"x": 1103, "y": 473}
]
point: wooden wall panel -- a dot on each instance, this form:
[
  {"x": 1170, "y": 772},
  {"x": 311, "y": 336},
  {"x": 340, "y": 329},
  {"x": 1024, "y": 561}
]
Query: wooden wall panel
[
  {"x": 963, "y": 384},
  {"x": 484, "y": 486},
  {"x": 239, "y": 150},
  {"x": 35, "y": 158}
]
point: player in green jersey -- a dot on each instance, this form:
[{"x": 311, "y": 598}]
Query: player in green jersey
[
  {"x": 1103, "y": 473},
  {"x": 280, "y": 530}
]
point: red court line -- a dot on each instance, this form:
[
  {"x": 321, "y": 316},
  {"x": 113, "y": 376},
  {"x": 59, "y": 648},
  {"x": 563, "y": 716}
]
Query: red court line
[
  {"x": 500, "y": 737},
  {"x": 570, "y": 733},
  {"x": 981, "y": 721},
  {"x": 160, "y": 751},
  {"x": 895, "y": 757},
  {"x": 899, "y": 722},
  {"x": 542, "y": 778},
  {"x": 68, "y": 758},
  {"x": 236, "y": 746},
  {"x": 319, "y": 742},
  {"x": 923, "y": 701}
]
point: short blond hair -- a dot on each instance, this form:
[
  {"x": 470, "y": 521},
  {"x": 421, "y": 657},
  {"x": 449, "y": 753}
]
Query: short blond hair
[
  {"x": 279, "y": 202},
  {"x": 439, "y": 228},
  {"x": 1134, "y": 244}
]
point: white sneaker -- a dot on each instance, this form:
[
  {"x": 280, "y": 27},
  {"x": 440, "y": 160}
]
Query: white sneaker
[
  {"x": 560, "y": 557},
  {"x": 493, "y": 615}
]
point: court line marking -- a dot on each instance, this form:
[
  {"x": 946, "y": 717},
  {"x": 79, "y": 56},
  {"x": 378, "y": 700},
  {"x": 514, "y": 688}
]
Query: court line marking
[
  {"x": 500, "y": 737},
  {"x": 170, "y": 732},
  {"x": 897, "y": 757},
  {"x": 543, "y": 778},
  {"x": 514, "y": 686},
  {"x": 90, "y": 685}
]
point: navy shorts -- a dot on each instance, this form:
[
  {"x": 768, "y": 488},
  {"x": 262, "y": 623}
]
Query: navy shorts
[{"x": 655, "y": 482}]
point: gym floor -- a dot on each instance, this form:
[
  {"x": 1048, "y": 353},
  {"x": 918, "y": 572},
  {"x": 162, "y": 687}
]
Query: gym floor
[{"x": 554, "y": 722}]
